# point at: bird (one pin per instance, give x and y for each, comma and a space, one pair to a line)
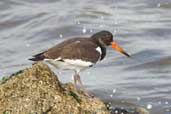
79, 53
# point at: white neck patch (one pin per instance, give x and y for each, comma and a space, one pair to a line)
99, 50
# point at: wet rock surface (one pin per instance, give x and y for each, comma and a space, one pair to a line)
138, 110
121, 111
37, 90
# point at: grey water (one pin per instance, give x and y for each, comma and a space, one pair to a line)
141, 27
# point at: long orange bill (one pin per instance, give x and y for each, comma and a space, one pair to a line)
118, 48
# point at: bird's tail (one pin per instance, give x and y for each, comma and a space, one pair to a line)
38, 57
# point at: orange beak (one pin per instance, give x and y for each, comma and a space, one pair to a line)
118, 48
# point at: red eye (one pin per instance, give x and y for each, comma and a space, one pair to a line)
108, 36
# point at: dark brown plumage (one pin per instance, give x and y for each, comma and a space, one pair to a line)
79, 53
78, 48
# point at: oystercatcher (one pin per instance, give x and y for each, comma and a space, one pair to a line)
79, 53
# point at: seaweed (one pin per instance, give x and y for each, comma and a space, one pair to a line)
4, 79
7, 112
75, 96
19, 72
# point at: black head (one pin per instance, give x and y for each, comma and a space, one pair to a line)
103, 37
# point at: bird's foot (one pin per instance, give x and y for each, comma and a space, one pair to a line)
77, 79
83, 91
88, 94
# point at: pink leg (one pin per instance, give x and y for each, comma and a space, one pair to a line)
78, 79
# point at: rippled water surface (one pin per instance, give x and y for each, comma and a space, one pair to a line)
141, 27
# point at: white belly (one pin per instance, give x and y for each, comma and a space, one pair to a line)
68, 64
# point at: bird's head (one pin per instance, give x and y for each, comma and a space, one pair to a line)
105, 38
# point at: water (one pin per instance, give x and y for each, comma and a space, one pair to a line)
141, 27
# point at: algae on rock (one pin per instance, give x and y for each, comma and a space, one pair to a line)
37, 90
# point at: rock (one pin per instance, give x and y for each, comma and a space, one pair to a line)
137, 110
119, 111
37, 90
141, 110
